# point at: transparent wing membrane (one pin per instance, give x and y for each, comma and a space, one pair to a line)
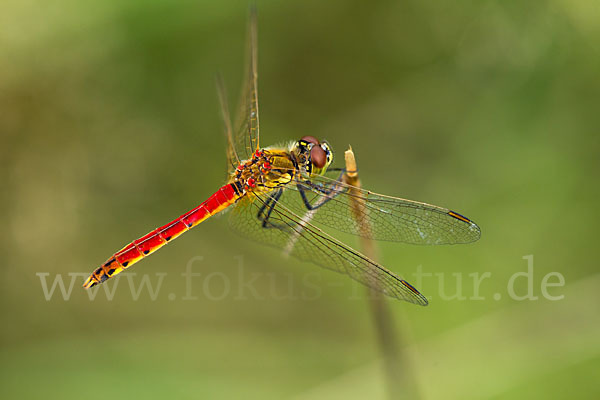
246, 140
285, 229
390, 218
233, 159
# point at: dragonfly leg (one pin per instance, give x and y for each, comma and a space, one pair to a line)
329, 192
264, 213
266, 204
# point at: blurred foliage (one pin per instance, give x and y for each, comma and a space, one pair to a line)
110, 127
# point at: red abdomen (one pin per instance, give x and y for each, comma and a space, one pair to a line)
156, 239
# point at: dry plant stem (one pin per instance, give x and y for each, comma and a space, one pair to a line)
398, 374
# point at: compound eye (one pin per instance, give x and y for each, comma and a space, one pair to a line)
310, 139
327, 150
318, 156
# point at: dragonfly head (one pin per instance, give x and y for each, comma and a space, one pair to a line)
313, 157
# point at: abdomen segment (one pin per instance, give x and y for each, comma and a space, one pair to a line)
156, 239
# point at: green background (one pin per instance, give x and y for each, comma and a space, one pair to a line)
110, 127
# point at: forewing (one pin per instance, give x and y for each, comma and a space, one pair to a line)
232, 158
296, 236
390, 218
246, 139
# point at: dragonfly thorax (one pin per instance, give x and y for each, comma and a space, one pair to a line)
266, 170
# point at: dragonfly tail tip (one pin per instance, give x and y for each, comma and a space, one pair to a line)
90, 282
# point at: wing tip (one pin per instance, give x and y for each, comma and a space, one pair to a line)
474, 229
459, 216
420, 299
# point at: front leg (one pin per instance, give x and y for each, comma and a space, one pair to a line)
303, 187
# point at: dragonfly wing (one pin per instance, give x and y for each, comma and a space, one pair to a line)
297, 236
233, 159
246, 140
390, 218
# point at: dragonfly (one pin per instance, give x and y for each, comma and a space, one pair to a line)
286, 196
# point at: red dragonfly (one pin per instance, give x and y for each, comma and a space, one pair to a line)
280, 195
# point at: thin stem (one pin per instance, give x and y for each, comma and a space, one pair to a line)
399, 378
